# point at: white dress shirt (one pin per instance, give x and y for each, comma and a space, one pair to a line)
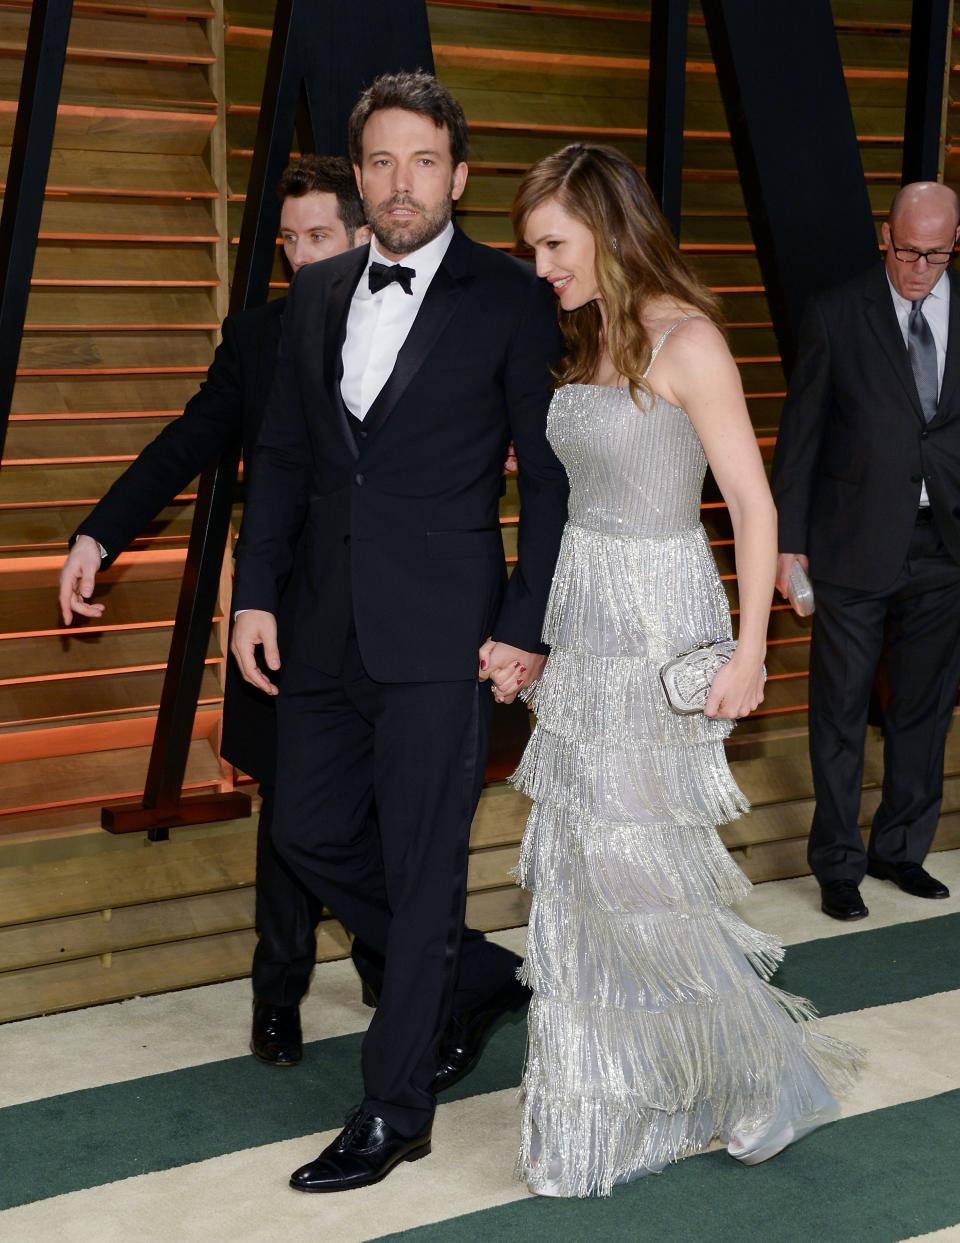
378, 323
936, 311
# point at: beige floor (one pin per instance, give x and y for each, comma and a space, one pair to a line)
243, 1197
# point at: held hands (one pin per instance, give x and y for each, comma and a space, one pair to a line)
251, 629
737, 688
785, 563
509, 669
77, 579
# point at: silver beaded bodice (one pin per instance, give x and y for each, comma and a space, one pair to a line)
634, 469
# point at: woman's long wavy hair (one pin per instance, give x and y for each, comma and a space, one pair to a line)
637, 258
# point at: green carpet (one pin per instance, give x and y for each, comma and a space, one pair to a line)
876, 1178
221, 1107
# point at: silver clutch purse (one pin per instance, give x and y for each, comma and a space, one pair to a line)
686, 678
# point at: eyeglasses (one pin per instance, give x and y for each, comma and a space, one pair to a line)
908, 255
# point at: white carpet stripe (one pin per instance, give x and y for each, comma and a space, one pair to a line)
243, 1197
791, 908
150, 1035
951, 1234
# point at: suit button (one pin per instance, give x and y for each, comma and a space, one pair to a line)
358, 480
363, 434
346, 539
924, 435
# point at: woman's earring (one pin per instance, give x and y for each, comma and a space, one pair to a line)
613, 245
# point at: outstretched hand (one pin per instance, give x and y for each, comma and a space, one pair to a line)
77, 578
509, 669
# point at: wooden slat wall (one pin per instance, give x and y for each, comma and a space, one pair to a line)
145, 200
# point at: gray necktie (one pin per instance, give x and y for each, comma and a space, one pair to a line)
923, 359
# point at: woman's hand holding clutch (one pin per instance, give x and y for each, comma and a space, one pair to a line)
737, 688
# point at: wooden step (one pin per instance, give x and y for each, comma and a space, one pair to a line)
50, 658
47, 528
199, 960
102, 131
50, 442
79, 352
203, 860
120, 37
137, 175
201, 9
39, 397
72, 699
130, 601
78, 219
53, 781
121, 310
113, 89
92, 266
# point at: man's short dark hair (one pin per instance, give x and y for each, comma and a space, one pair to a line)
325, 174
414, 92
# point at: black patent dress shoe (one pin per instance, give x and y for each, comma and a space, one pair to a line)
276, 1037
467, 1030
364, 1152
841, 900
911, 878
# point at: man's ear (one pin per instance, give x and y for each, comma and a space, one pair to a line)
358, 177
459, 181
362, 235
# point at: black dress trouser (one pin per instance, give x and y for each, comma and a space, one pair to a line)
418, 751
915, 625
287, 915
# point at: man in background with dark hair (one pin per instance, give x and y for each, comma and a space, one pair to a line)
405, 368
321, 216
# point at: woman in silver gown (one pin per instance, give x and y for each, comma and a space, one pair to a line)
652, 1028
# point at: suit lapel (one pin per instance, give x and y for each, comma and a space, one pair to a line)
882, 318
951, 368
334, 331
440, 302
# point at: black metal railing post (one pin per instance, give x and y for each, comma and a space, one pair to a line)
33, 132
665, 102
926, 82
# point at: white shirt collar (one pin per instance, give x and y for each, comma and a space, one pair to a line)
424, 261
940, 291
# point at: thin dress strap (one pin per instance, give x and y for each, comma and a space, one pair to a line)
663, 336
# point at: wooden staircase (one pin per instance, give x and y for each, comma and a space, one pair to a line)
145, 194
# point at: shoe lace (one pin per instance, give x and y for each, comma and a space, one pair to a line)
353, 1125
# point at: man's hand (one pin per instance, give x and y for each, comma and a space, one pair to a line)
785, 564
509, 668
77, 579
510, 463
253, 628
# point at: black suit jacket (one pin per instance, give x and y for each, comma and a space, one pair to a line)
402, 534
854, 448
229, 405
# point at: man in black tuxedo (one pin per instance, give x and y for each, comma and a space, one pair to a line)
866, 478
321, 215
404, 370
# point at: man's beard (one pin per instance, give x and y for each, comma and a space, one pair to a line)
403, 239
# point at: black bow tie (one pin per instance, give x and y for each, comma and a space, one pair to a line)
381, 274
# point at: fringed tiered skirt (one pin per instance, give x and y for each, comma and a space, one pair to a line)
652, 1027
